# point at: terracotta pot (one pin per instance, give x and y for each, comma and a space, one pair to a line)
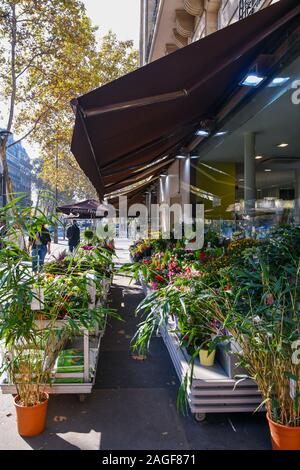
284, 437
31, 420
207, 359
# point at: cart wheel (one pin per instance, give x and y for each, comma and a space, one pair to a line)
82, 398
200, 417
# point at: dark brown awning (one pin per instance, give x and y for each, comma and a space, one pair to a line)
133, 122
82, 209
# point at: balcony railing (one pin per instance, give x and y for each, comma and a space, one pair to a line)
248, 7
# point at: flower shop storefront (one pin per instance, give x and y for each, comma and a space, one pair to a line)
229, 310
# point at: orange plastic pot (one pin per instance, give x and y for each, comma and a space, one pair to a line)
284, 437
31, 420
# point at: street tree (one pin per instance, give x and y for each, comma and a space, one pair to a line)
47, 54
114, 58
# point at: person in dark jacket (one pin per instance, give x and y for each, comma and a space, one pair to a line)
40, 245
73, 236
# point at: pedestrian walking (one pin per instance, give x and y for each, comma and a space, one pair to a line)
41, 244
73, 236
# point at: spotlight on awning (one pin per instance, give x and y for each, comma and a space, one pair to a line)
220, 134
202, 133
252, 80
278, 81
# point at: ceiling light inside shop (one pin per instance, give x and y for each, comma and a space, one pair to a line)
181, 157
277, 81
252, 80
268, 169
194, 157
258, 157
283, 145
202, 133
241, 180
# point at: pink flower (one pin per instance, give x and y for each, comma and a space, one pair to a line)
269, 299
154, 285
171, 273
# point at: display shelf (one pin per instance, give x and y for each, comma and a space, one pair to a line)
212, 390
91, 358
89, 339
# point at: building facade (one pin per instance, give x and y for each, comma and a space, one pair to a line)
20, 170
168, 25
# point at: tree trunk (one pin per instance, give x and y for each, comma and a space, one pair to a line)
7, 188
55, 234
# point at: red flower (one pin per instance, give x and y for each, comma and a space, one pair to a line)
226, 288
202, 256
159, 278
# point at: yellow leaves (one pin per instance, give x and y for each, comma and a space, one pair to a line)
138, 357
58, 59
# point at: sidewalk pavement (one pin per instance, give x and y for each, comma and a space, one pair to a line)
57, 248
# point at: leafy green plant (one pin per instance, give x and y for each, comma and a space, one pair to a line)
212, 237
88, 235
156, 308
35, 337
262, 314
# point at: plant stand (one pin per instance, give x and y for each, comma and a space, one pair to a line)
91, 356
89, 341
212, 390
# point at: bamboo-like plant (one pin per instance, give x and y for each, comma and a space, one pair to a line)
262, 314
34, 345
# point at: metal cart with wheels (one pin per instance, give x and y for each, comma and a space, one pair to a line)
80, 383
212, 390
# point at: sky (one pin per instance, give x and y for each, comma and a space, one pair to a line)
122, 16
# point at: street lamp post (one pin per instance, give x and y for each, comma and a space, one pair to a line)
3, 137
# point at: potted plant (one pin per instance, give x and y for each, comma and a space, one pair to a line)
206, 354
199, 335
261, 312
32, 345
28, 357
